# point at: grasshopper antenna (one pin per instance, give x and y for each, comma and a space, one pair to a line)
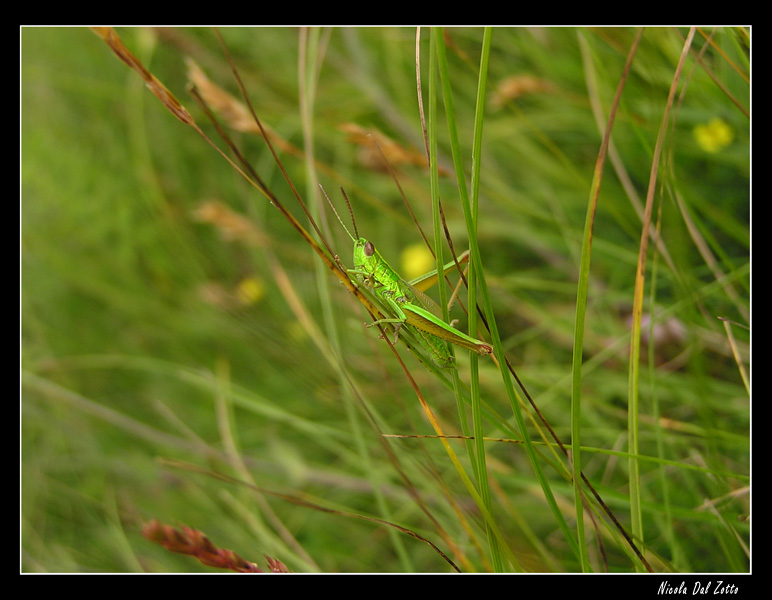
350, 211
332, 206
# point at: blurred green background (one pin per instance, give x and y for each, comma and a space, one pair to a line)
157, 321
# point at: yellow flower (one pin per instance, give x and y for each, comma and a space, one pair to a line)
250, 290
713, 135
416, 260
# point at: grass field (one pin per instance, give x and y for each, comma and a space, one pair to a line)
187, 357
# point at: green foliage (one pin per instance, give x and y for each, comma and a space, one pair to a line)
171, 316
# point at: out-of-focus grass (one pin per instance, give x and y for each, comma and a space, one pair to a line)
152, 329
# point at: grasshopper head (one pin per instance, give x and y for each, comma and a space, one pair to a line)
365, 256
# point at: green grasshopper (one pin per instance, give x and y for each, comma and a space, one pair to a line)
406, 303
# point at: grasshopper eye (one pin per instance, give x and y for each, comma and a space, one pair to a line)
369, 249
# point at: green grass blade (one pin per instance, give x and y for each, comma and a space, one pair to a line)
488, 309
581, 309
477, 458
636, 515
